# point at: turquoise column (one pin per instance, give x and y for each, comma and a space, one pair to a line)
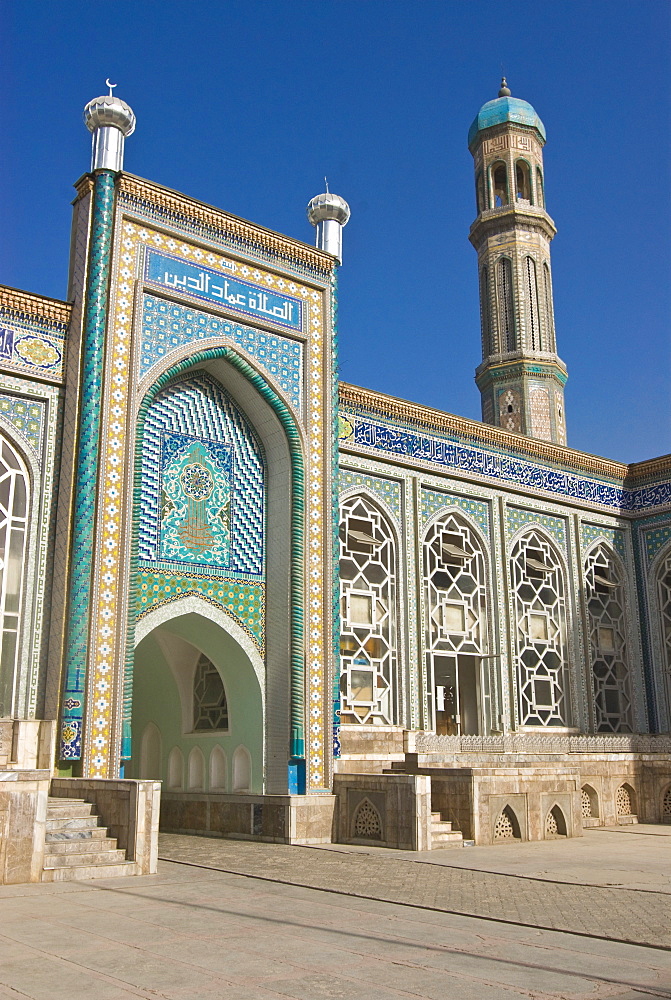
87, 453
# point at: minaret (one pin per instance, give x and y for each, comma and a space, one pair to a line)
329, 213
109, 120
521, 377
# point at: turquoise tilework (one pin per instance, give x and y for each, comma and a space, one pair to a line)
433, 501
590, 532
26, 415
655, 539
95, 319
167, 325
386, 489
555, 526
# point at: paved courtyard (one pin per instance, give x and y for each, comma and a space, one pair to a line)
586, 918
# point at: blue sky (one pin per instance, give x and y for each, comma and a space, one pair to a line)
248, 104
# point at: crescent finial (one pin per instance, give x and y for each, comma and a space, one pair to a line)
110, 85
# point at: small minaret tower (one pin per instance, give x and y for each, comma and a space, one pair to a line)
329, 214
521, 377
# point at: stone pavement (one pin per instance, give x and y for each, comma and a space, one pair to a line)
200, 933
440, 880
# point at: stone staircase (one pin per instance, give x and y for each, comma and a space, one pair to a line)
442, 834
78, 847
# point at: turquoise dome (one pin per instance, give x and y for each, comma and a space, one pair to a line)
505, 109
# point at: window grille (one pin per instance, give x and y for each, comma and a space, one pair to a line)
485, 313
210, 710
455, 585
608, 642
664, 598
368, 639
13, 529
532, 304
506, 309
547, 305
539, 596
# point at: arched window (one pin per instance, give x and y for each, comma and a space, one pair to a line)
533, 316
664, 599
500, 184
455, 583
480, 192
485, 314
539, 598
608, 641
523, 181
504, 276
368, 633
210, 710
540, 190
548, 311
13, 528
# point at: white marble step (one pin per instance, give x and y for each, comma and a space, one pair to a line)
81, 845
65, 822
85, 858
77, 873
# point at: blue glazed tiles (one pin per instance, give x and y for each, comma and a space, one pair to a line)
169, 325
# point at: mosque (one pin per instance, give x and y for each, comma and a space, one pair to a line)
241, 598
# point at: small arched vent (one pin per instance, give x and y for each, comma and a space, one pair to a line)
555, 823
506, 826
666, 806
589, 801
624, 801
367, 823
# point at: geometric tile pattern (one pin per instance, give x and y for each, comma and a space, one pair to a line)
388, 438
108, 647
590, 532
655, 539
26, 415
196, 413
555, 526
387, 490
81, 574
243, 600
168, 325
31, 349
433, 501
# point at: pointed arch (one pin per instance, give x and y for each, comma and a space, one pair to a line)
293, 437
660, 592
609, 653
456, 624
369, 639
538, 581
15, 528
507, 334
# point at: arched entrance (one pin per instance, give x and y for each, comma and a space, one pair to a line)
198, 694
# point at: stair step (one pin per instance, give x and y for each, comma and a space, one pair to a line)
80, 845
442, 826
84, 858
71, 823
66, 807
58, 800
447, 838
95, 833
76, 873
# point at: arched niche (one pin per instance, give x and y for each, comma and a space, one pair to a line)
218, 770
242, 770
170, 643
175, 780
150, 752
196, 770
282, 439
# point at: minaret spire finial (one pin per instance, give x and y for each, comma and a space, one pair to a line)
505, 90
327, 186
111, 86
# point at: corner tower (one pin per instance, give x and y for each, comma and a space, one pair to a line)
521, 377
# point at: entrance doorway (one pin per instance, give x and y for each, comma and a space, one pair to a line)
456, 691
